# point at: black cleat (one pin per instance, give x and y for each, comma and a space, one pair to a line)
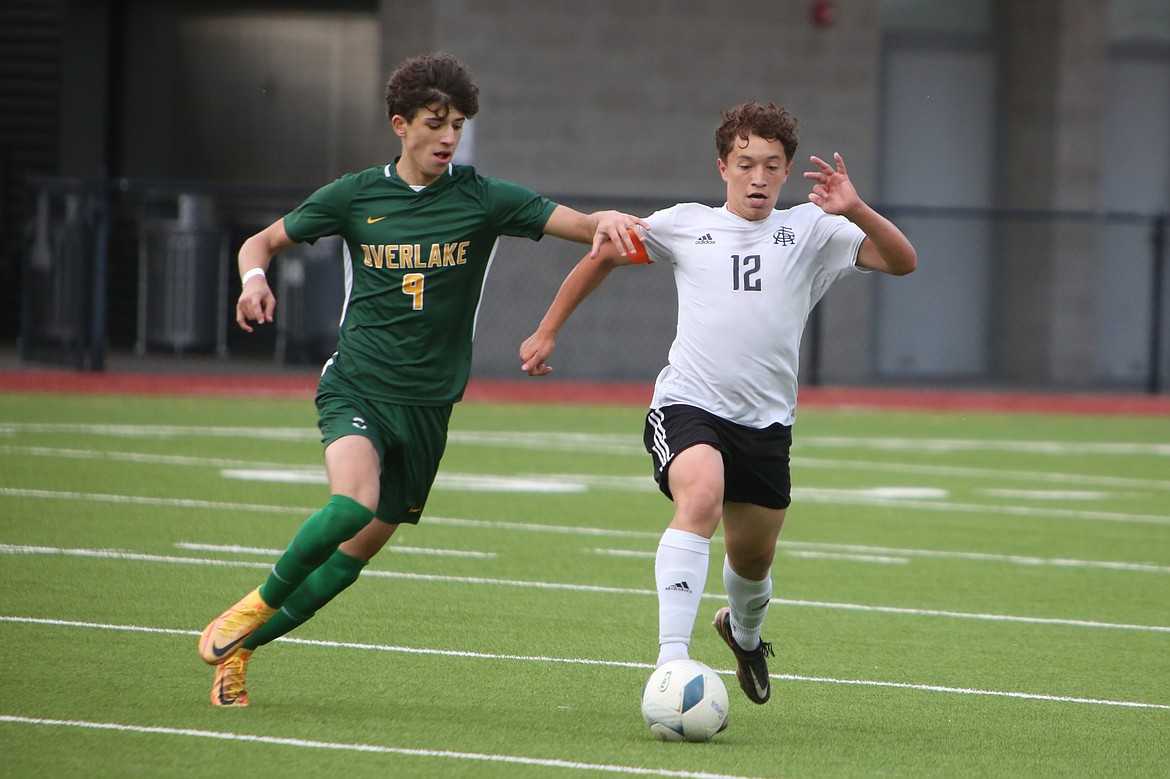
752, 667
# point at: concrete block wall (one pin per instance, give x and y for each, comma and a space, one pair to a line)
617, 99
620, 99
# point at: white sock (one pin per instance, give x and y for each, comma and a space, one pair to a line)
680, 573
748, 601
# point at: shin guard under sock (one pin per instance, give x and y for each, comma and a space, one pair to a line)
318, 537
748, 600
322, 585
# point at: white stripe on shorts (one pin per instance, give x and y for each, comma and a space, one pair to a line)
661, 448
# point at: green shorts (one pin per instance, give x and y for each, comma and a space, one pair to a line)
409, 440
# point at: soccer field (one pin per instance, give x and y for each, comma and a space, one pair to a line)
956, 595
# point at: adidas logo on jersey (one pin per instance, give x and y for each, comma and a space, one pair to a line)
705, 238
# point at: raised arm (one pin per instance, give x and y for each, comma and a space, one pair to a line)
885, 248
578, 285
597, 228
257, 303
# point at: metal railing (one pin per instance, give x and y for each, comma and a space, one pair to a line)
150, 265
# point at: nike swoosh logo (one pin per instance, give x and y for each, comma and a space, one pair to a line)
371, 219
221, 651
761, 689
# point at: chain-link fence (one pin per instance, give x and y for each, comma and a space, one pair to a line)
1002, 298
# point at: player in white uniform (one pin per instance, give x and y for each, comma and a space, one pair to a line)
719, 425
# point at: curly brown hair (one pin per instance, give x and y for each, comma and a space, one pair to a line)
430, 80
767, 121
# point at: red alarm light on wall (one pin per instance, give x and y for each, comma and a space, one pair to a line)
824, 13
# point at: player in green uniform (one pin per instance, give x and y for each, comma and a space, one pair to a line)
419, 236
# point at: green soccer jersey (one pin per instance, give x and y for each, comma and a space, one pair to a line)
415, 265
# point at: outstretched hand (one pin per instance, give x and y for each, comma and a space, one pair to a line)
833, 191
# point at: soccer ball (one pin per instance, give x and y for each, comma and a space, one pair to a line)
684, 700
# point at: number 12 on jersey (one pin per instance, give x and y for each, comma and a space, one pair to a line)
743, 273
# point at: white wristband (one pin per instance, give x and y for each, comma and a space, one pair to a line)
250, 274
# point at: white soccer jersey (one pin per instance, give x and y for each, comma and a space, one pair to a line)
745, 290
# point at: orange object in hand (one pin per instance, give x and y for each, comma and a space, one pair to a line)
639, 255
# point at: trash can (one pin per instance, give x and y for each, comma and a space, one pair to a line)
63, 280
60, 259
182, 280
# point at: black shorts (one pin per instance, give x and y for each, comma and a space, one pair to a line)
755, 461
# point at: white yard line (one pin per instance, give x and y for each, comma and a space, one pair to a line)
161, 431
584, 531
395, 548
857, 558
888, 554
1059, 448
810, 495
800, 462
943, 507
1023, 494
1025, 560
604, 443
445, 754
119, 554
605, 663
299, 472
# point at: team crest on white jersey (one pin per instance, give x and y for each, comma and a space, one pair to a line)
784, 236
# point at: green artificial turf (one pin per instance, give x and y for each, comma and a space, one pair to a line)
956, 595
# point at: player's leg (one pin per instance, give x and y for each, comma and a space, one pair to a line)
321, 586
325, 583
758, 493
749, 533
353, 465
684, 443
682, 559
689, 469
415, 439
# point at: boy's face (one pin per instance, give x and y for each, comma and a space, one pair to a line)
429, 141
754, 173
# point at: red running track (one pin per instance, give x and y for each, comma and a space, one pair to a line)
553, 391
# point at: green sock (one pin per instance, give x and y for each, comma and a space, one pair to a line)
318, 537
322, 585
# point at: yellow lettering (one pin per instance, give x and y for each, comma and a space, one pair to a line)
407, 255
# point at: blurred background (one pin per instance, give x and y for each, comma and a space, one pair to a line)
1023, 145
